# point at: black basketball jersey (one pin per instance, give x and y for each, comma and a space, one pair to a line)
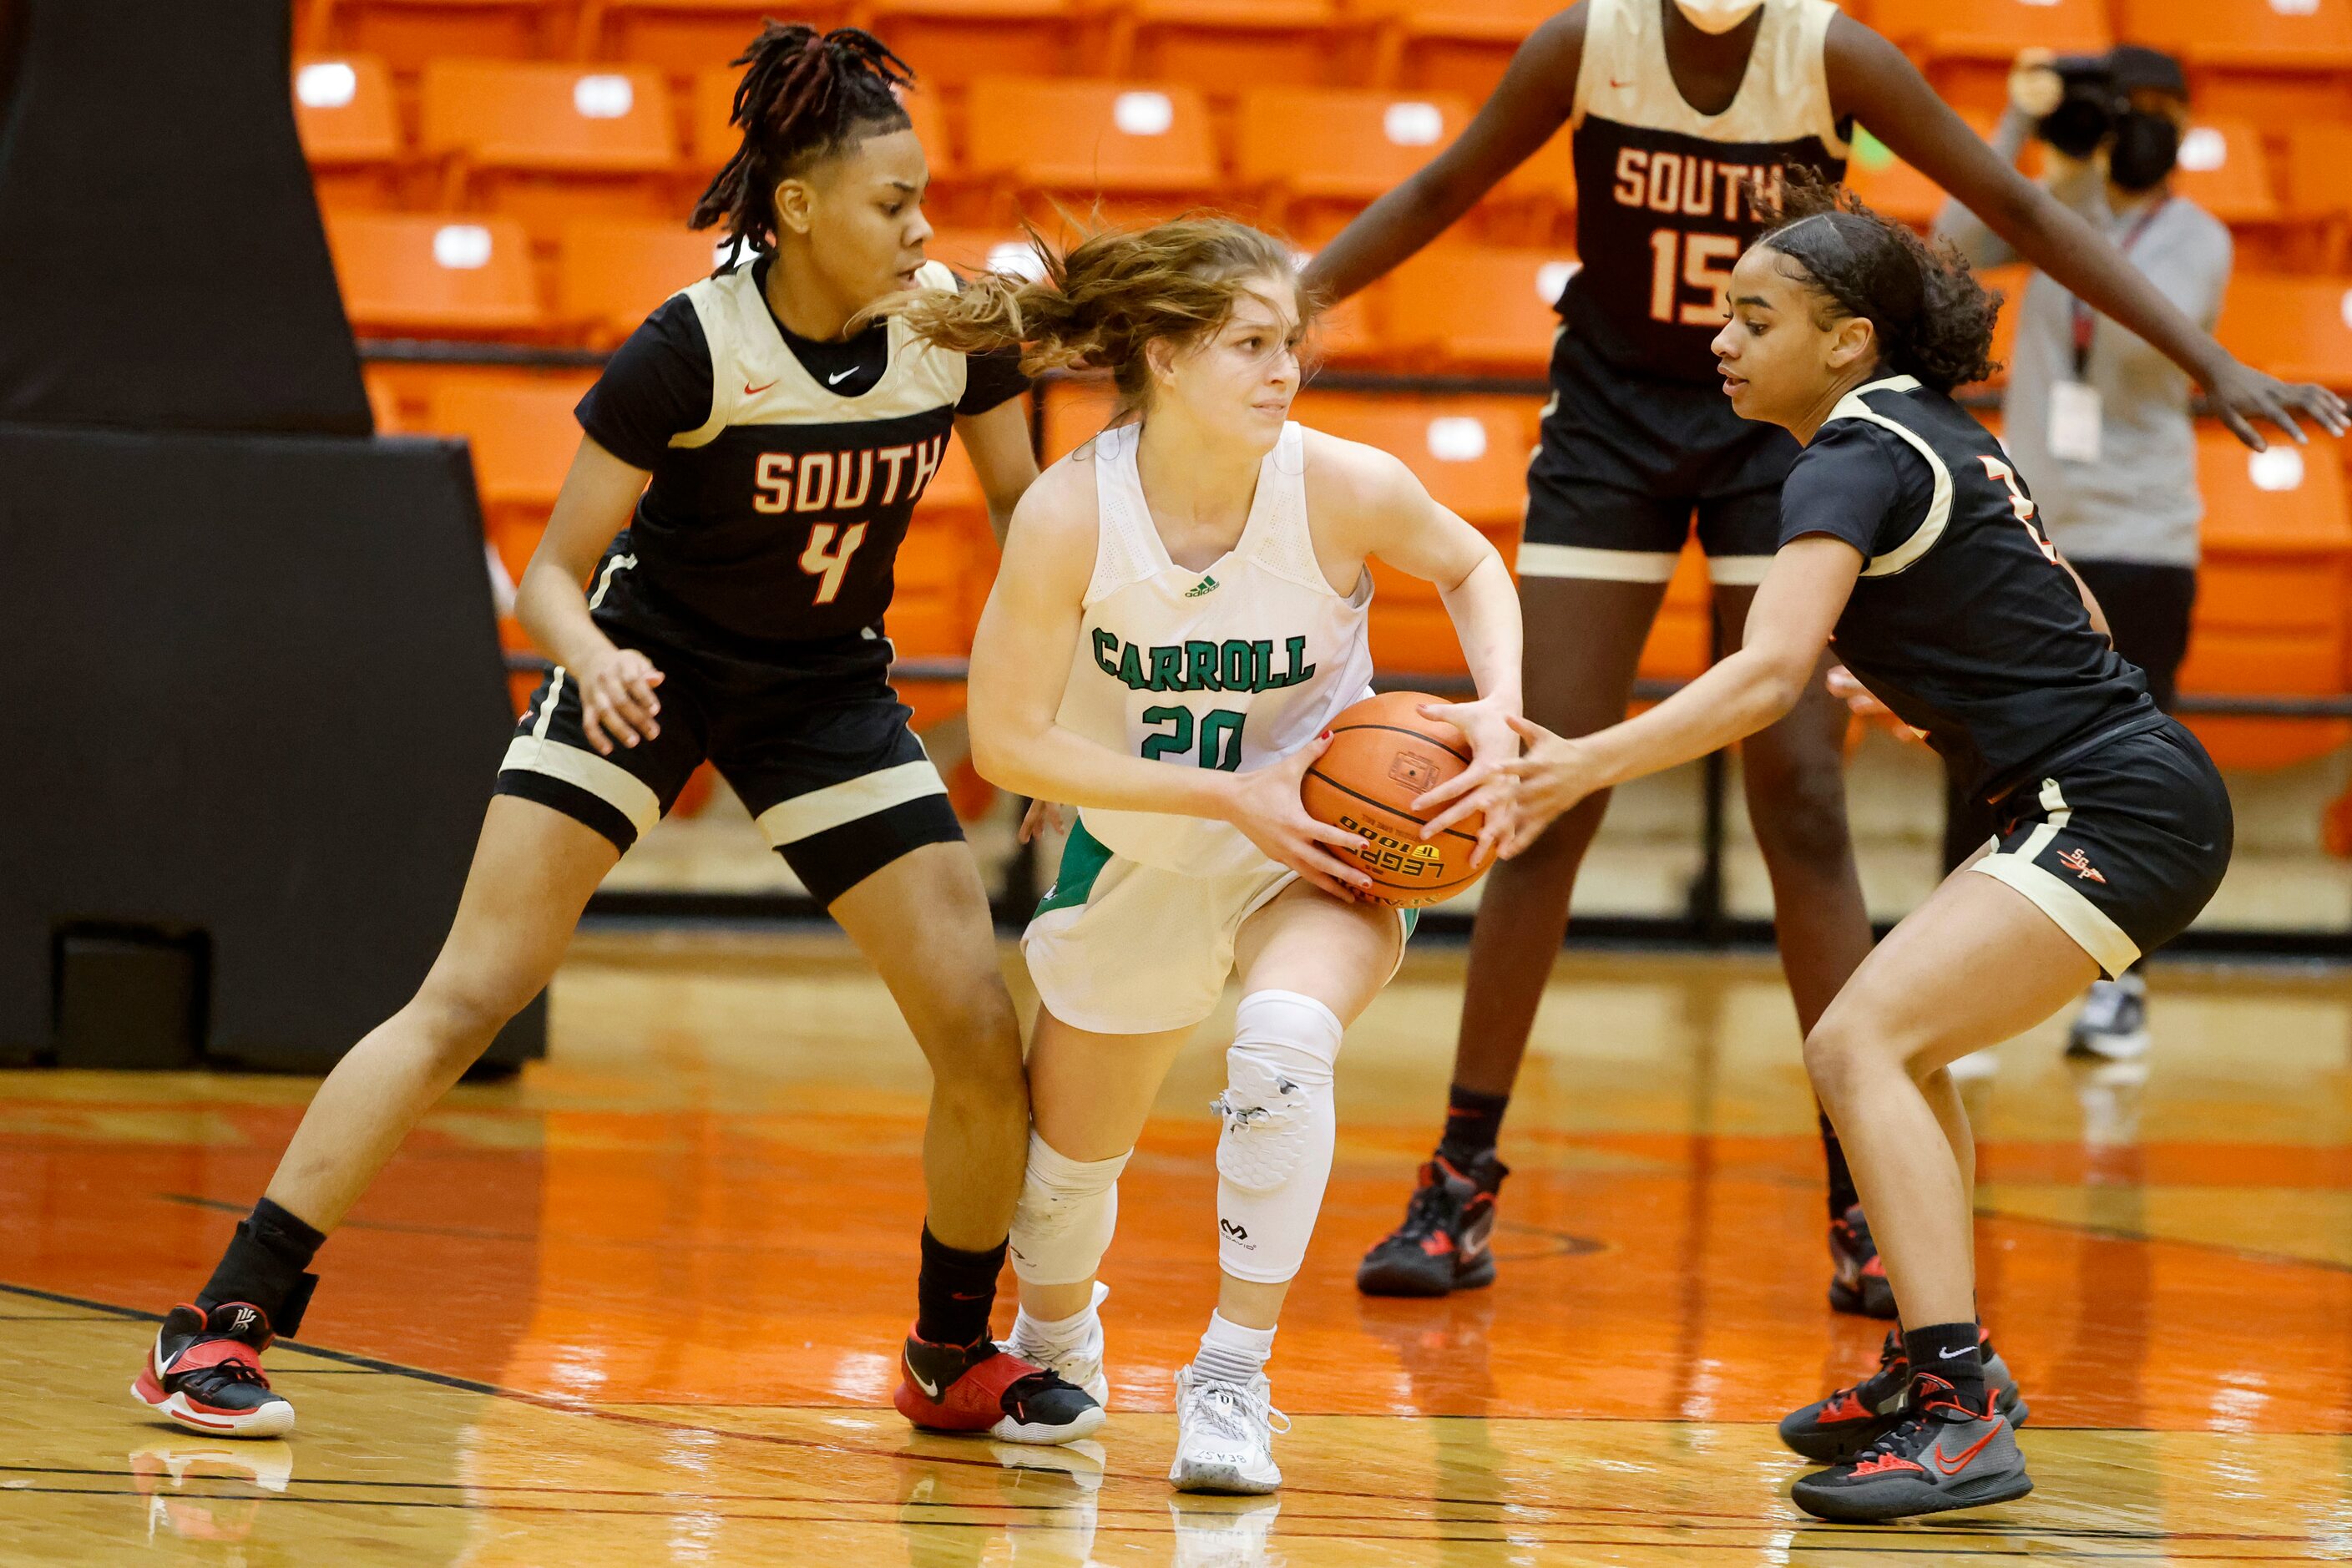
1663, 205
785, 471
1964, 621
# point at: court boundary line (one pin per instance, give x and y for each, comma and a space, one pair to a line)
1990, 1530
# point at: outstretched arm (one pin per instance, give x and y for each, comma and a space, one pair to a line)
1788, 622
1871, 79
1533, 100
1389, 515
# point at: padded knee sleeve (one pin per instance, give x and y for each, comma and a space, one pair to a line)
1067, 1212
1274, 1157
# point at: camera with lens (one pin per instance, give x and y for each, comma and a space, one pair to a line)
2095, 109
2091, 103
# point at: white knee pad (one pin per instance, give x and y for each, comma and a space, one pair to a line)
1067, 1212
1274, 1157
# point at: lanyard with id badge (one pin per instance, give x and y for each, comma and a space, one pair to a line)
2077, 417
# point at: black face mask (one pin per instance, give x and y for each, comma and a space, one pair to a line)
2145, 148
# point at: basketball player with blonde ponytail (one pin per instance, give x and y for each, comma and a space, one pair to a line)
1179, 615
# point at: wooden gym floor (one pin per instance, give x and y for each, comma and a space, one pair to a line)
641, 1306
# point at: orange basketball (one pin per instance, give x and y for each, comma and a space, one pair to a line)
1383, 755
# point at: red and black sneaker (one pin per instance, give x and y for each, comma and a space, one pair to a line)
1949, 1453
1858, 1283
1445, 1242
1835, 1429
981, 1390
204, 1373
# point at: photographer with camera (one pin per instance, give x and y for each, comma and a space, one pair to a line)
2095, 420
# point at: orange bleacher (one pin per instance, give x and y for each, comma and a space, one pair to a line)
548, 142
434, 275
520, 169
2273, 594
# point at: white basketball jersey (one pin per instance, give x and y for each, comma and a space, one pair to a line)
1230, 668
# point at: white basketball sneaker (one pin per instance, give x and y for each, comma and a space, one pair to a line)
1224, 1436
1079, 1362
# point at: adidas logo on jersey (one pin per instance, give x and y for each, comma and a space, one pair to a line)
1206, 585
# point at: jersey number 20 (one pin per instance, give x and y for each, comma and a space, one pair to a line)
2019, 502
827, 564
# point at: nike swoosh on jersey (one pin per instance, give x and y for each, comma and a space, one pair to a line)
751, 390
845, 376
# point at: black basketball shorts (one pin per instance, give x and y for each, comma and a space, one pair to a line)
2121, 846
817, 747
1625, 461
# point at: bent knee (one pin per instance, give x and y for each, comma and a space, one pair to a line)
460, 1019
974, 1049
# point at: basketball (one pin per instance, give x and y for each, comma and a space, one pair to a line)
1382, 757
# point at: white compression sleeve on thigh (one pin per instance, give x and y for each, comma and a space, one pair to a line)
1068, 1209
1274, 1158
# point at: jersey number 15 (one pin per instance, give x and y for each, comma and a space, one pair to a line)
1702, 261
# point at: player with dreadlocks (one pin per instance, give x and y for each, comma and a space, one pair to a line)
750, 460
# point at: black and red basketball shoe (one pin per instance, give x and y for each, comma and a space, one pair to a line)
982, 1390
1445, 1243
1858, 1283
1950, 1452
204, 1371
1835, 1429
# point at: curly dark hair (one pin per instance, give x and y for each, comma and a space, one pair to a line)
806, 95
1932, 318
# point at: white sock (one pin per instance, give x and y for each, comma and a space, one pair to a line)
1232, 1353
1061, 1333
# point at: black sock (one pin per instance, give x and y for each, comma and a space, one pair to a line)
1948, 1351
955, 1292
1842, 1193
1473, 1120
265, 1265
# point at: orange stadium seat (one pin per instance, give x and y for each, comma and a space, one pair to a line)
611, 274
2318, 190
1455, 46
2222, 170
1475, 307
685, 35
434, 274
950, 42
982, 250
1550, 171
2281, 35
350, 126
1307, 144
2296, 328
1472, 453
523, 436
943, 570
550, 141
1075, 413
1105, 137
2272, 595
1214, 43
1990, 30
408, 33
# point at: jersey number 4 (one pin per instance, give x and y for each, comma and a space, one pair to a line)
2019, 502
826, 562
1695, 257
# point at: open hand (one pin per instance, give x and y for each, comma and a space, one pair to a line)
1486, 786
1555, 774
1045, 816
1265, 806
2241, 394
